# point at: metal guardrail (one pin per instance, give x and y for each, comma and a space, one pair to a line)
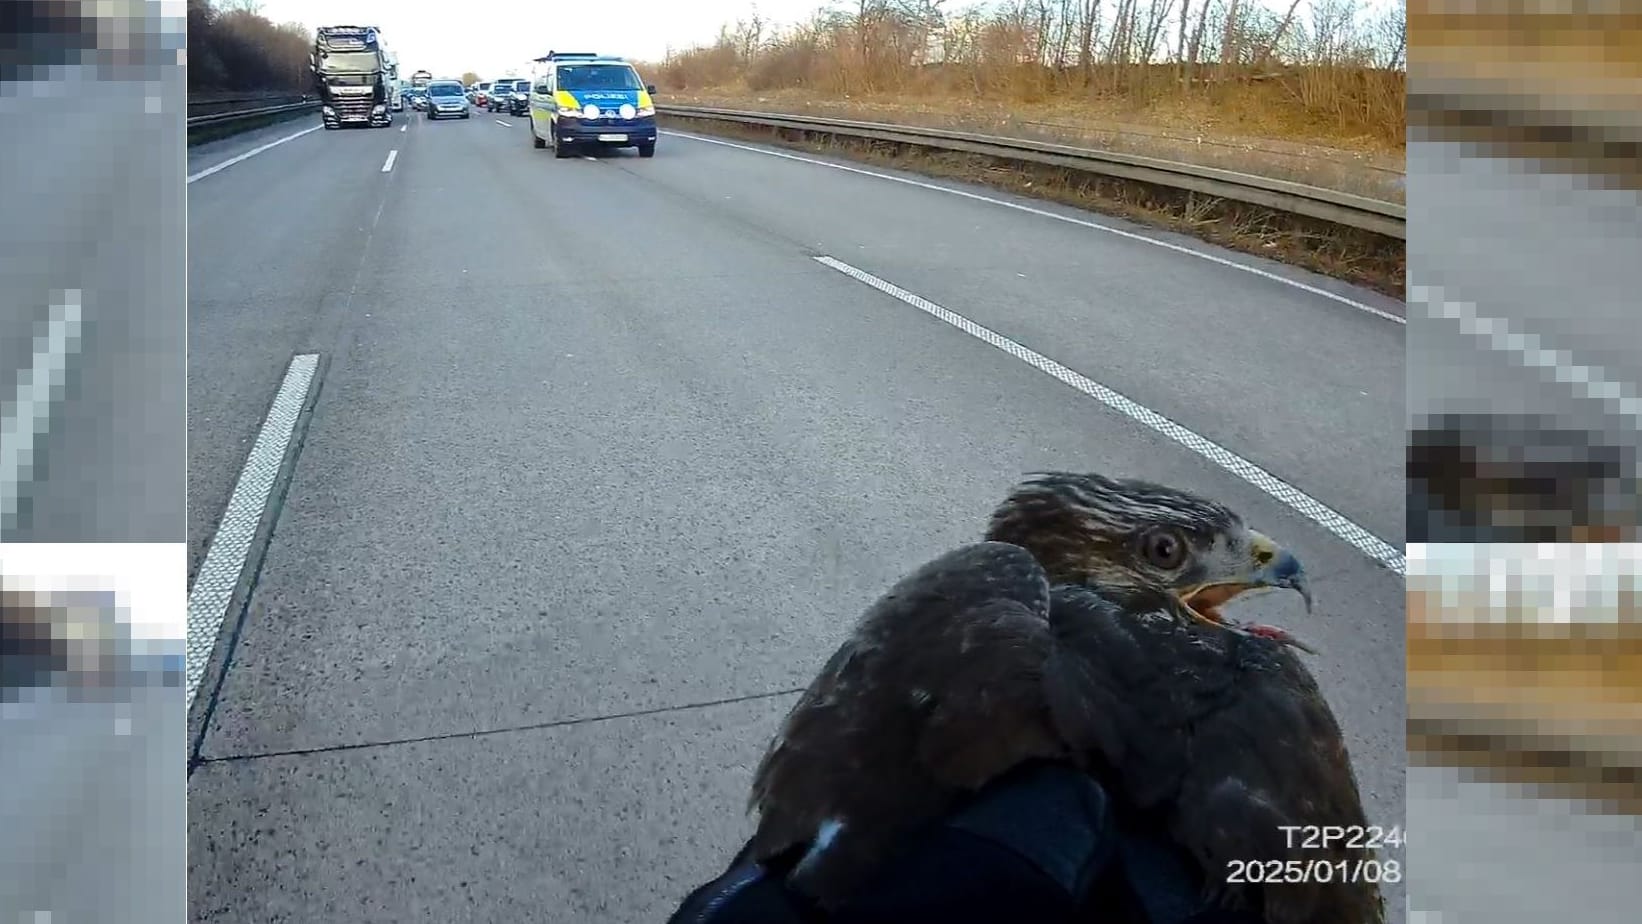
1362, 212
268, 99
242, 115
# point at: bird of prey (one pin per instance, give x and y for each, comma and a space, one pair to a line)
1085, 628
1519, 478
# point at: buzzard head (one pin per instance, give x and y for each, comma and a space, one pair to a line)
1128, 535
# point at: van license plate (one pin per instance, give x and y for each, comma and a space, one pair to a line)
612, 137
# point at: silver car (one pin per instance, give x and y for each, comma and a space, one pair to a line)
446, 100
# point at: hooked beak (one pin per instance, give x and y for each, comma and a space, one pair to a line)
1281, 569
1269, 566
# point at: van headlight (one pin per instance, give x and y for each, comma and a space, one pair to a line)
569, 112
627, 112
327, 110
647, 112
378, 109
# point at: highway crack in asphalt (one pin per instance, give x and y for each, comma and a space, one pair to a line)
517, 729
503, 730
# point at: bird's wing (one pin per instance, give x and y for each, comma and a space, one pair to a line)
936, 690
1272, 755
988, 713
1228, 736
1112, 698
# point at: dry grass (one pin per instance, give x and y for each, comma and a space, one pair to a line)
1557, 708
1249, 86
1573, 46
1256, 86
1361, 257
1230, 128
1567, 87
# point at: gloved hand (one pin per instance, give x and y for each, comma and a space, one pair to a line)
1039, 846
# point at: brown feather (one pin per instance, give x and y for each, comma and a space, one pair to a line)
935, 693
973, 664
1226, 737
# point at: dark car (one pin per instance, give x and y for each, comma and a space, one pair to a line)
496, 100
516, 98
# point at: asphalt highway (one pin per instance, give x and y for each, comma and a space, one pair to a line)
91, 244
1551, 331
1478, 323
604, 461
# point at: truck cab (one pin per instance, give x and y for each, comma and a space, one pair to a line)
351, 72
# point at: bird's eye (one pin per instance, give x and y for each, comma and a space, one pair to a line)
1164, 549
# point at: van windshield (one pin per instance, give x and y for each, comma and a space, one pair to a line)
598, 77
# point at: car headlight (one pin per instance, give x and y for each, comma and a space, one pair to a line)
628, 112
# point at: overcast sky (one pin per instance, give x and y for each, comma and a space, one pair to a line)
496, 36
503, 35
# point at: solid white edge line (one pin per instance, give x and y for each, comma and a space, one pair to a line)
27, 416
1045, 213
1336, 523
251, 153
225, 559
392, 156
1589, 382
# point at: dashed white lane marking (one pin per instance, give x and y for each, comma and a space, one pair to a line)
1045, 213
251, 153
225, 560
1354, 535
26, 416
404, 127
503, 124
393, 155
1589, 382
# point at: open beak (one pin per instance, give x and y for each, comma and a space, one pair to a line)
1269, 566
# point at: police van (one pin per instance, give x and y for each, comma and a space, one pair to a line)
584, 100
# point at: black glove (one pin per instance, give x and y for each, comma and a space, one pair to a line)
1039, 846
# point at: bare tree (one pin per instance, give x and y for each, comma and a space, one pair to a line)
1228, 39
1392, 37
1156, 15
1088, 32
1117, 43
1266, 50
749, 36
1180, 45
1195, 49
924, 19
